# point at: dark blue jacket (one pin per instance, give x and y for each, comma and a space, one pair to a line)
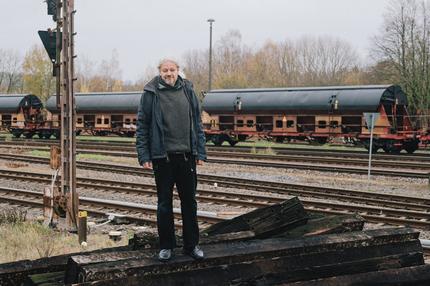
149, 132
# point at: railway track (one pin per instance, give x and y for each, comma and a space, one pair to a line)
419, 156
138, 213
379, 208
127, 146
381, 167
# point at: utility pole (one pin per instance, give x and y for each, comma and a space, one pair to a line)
210, 53
60, 48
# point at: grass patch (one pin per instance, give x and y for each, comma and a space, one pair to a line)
5, 134
106, 138
31, 240
95, 157
12, 216
40, 153
270, 144
266, 151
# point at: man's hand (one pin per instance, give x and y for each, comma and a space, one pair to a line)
199, 162
147, 165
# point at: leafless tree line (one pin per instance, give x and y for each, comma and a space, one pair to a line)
403, 46
306, 62
10, 71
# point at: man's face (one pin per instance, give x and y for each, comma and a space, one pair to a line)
169, 73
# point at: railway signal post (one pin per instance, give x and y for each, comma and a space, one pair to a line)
371, 118
60, 47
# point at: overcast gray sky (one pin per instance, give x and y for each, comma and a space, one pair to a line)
143, 31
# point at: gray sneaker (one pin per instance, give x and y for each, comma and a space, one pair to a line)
165, 255
196, 253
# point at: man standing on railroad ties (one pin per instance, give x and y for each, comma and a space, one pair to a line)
170, 140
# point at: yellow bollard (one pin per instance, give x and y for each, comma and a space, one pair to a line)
82, 227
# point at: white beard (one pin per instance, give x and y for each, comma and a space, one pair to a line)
170, 81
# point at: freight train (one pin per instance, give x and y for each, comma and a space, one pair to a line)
96, 114
101, 113
314, 114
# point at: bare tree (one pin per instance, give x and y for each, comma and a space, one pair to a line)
196, 68
84, 73
10, 71
308, 61
2, 73
324, 60
229, 64
403, 44
111, 73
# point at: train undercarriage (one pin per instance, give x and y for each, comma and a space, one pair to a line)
388, 145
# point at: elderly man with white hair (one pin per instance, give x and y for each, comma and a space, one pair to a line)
170, 140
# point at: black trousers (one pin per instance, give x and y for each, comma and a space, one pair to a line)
179, 169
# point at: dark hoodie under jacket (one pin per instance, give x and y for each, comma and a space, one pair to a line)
149, 132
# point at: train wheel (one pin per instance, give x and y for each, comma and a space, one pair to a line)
374, 148
411, 147
16, 133
395, 150
217, 140
242, 137
57, 134
29, 135
390, 148
321, 140
279, 139
46, 135
410, 150
232, 142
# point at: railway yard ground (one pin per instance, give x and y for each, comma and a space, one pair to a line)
218, 198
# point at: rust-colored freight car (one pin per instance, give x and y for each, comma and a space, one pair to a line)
315, 114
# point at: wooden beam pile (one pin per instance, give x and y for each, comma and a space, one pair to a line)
264, 262
279, 244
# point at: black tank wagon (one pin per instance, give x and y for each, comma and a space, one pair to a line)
314, 114
102, 113
22, 114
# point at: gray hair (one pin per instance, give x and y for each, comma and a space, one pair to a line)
164, 61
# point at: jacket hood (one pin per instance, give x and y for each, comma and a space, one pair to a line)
151, 85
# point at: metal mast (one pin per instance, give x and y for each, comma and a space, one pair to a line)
210, 54
68, 116
60, 48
